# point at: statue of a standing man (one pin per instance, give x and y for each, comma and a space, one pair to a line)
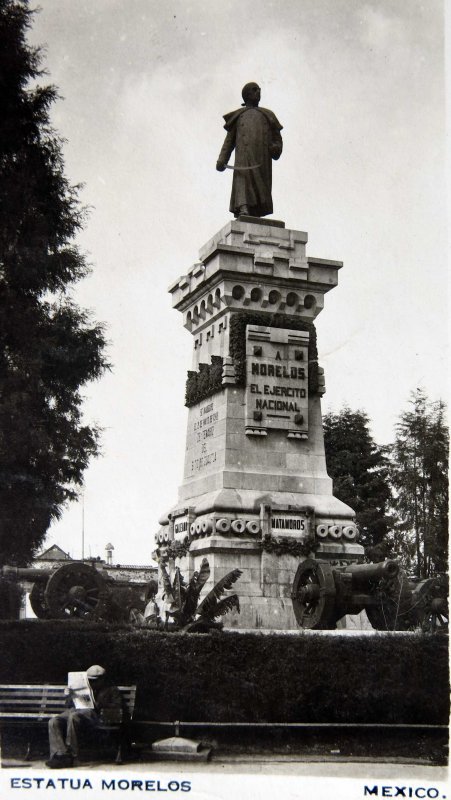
254, 134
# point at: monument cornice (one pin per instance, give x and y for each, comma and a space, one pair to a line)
327, 262
224, 275
247, 258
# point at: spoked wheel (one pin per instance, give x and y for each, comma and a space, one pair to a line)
390, 606
37, 601
437, 619
313, 595
74, 590
431, 596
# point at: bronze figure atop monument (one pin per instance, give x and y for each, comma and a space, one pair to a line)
254, 134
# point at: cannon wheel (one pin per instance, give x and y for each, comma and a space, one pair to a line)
313, 595
436, 620
431, 602
393, 607
37, 601
74, 590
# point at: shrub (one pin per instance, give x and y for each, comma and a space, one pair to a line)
229, 676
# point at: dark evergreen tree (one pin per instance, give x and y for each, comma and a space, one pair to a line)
419, 474
49, 348
359, 469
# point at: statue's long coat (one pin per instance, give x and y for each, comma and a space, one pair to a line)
254, 134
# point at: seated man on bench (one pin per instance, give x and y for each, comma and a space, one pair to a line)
92, 700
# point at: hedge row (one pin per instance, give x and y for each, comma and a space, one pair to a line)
228, 676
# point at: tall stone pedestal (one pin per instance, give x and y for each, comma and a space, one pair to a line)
255, 493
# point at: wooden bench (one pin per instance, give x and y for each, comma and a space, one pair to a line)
32, 705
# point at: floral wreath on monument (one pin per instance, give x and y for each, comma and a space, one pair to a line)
287, 546
280, 546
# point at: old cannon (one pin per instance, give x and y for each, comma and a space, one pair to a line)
78, 590
322, 594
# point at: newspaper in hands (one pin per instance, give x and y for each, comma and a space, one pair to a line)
80, 690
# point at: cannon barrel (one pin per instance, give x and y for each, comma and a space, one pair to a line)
365, 574
26, 573
322, 594
77, 589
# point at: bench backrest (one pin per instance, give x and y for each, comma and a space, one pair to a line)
45, 699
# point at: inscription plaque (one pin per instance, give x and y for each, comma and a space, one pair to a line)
202, 440
277, 381
181, 528
283, 525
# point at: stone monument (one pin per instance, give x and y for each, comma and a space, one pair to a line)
255, 493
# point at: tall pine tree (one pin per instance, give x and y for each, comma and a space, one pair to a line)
419, 474
359, 471
49, 348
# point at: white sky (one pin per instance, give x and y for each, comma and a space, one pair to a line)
359, 89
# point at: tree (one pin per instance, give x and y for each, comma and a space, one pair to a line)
359, 469
49, 348
419, 470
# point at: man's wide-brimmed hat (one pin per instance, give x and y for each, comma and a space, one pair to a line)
96, 671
